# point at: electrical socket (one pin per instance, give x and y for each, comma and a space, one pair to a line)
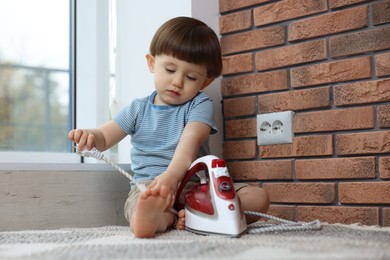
275, 128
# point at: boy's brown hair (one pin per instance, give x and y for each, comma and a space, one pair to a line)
190, 40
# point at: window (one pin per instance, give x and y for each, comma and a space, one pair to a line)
69, 63
35, 73
38, 76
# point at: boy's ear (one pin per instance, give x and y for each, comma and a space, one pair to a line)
150, 60
207, 82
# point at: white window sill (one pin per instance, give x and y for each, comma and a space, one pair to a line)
60, 167
38, 157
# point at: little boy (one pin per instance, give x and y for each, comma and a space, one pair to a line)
170, 128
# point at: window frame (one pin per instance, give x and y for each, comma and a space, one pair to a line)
89, 68
53, 157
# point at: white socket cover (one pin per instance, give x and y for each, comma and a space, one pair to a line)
275, 128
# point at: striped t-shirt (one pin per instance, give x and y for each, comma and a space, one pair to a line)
155, 131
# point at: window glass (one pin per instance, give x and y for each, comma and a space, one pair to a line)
35, 75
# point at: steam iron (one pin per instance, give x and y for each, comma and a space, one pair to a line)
212, 206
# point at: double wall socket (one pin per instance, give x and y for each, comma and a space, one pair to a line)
275, 128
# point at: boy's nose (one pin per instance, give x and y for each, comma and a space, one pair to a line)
178, 81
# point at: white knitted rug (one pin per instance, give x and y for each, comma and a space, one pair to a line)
117, 242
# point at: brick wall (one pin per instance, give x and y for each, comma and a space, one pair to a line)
329, 61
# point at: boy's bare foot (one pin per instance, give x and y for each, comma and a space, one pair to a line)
150, 215
181, 221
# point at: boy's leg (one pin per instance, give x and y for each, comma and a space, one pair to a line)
154, 200
150, 215
253, 198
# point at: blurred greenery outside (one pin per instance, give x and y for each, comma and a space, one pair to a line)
34, 108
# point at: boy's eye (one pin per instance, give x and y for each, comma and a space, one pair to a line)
169, 70
191, 78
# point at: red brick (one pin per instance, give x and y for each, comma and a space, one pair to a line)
254, 83
384, 167
295, 100
244, 149
365, 92
363, 143
229, 5
237, 63
364, 192
235, 21
240, 128
382, 64
291, 55
282, 211
286, 10
360, 42
336, 168
381, 12
341, 3
330, 23
335, 120
257, 39
239, 106
328, 72
315, 145
339, 214
314, 192
386, 217
261, 170
383, 114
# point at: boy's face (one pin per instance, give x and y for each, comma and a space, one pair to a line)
176, 81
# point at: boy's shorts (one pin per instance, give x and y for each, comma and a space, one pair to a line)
134, 194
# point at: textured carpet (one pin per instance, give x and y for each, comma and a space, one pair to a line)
116, 242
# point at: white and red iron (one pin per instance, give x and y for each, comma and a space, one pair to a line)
212, 206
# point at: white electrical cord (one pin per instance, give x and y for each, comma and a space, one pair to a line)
284, 225
95, 153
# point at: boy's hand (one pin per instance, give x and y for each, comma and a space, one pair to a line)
82, 137
165, 179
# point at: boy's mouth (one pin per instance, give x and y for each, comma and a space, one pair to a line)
174, 93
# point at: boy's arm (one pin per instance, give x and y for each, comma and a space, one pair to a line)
103, 137
193, 136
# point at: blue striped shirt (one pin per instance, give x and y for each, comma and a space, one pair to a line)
155, 131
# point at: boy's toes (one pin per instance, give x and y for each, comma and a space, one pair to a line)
181, 213
180, 224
